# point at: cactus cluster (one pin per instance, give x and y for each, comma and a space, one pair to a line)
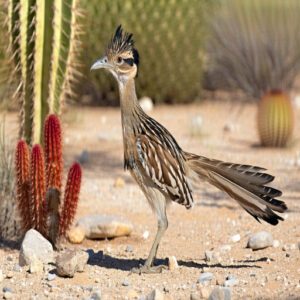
169, 36
39, 184
275, 119
44, 46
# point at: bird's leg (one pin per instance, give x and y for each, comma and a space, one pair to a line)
148, 266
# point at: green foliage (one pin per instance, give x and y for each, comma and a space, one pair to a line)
254, 45
275, 119
43, 46
169, 36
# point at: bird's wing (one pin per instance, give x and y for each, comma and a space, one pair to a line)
165, 169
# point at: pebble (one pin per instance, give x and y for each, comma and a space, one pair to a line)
235, 238
119, 183
51, 276
36, 266
96, 295
70, 262
7, 289
288, 247
260, 240
172, 263
146, 104
220, 293
146, 234
17, 268
156, 295
7, 295
211, 256
276, 243
103, 226
205, 277
35, 247
76, 235
225, 248
125, 282
9, 274
230, 281
84, 157
129, 249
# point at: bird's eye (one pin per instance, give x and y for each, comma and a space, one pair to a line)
119, 60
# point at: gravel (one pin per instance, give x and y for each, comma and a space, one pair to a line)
260, 240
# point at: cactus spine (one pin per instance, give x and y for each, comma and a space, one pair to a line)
275, 119
41, 208
42, 38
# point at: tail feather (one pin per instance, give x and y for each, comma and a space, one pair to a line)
244, 183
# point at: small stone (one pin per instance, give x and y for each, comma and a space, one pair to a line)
172, 263
146, 234
9, 274
119, 183
235, 238
70, 262
288, 247
129, 249
102, 226
96, 295
156, 295
35, 247
7, 295
36, 266
220, 293
125, 282
230, 281
205, 278
51, 276
76, 235
17, 268
146, 104
260, 240
195, 296
7, 289
225, 248
84, 157
276, 243
211, 256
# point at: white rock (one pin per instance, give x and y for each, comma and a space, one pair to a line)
260, 240
225, 248
146, 104
235, 238
35, 247
220, 293
146, 234
205, 277
36, 266
172, 263
156, 295
212, 256
230, 281
276, 243
102, 226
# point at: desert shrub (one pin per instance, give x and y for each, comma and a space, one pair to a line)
169, 36
254, 45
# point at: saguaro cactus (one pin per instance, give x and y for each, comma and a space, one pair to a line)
44, 45
275, 119
39, 186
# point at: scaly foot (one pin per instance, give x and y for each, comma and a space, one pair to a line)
144, 269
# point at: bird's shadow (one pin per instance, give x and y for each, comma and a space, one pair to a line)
127, 264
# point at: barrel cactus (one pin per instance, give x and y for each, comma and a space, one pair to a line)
169, 36
43, 45
275, 119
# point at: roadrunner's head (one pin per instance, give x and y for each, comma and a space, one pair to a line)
120, 58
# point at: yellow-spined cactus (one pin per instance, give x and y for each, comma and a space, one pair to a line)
275, 119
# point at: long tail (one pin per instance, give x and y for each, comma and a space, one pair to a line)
245, 183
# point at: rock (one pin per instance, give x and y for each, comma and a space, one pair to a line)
230, 281
196, 125
70, 262
1, 276
220, 293
7, 295
96, 295
235, 238
125, 282
276, 243
84, 157
225, 248
287, 247
260, 240
146, 104
205, 278
101, 226
9, 274
76, 235
129, 249
119, 183
146, 234
172, 263
35, 247
156, 295
195, 296
36, 266
51, 276
17, 268
212, 256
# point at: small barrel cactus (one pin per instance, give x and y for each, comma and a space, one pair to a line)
275, 119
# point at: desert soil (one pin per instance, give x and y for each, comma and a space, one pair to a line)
271, 273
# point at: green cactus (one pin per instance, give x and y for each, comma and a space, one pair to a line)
42, 39
169, 36
275, 119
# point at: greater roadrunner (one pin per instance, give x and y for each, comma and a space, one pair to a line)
162, 169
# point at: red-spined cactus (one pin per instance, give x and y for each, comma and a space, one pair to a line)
38, 188
70, 198
23, 187
53, 152
43, 210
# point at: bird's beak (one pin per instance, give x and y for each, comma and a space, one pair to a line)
101, 63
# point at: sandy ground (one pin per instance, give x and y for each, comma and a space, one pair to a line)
265, 274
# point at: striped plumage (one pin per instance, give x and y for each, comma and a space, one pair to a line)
163, 170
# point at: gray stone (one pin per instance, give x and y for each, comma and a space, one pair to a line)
7, 289
70, 262
51, 276
230, 281
35, 247
84, 157
260, 240
102, 226
125, 282
96, 295
212, 256
235, 238
220, 293
205, 277
17, 268
155, 295
129, 248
